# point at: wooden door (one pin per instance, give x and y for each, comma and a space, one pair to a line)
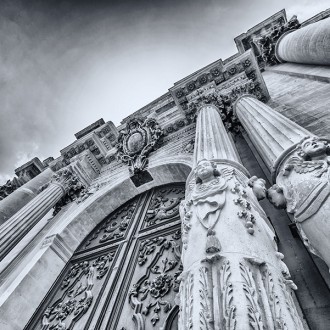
125, 274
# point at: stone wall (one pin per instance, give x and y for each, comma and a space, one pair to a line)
301, 93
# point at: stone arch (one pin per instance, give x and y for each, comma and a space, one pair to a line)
62, 241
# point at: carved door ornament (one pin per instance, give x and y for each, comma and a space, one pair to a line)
137, 141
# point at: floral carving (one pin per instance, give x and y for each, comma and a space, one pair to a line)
251, 293
137, 141
76, 293
164, 205
223, 105
152, 292
113, 227
205, 313
229, 310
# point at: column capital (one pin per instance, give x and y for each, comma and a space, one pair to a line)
65, 178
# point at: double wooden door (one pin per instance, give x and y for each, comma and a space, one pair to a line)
125, 274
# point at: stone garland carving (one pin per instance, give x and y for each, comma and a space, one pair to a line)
246, 213
303, 187
266, 43
76, 293
112, 228
137, 141
164, 205
150, 295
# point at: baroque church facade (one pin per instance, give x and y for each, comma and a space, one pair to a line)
206, 209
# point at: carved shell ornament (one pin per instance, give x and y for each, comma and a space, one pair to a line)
137, 141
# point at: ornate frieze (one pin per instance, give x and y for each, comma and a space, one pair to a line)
303, 188
152, 296
137, 141
76, 293
164, 205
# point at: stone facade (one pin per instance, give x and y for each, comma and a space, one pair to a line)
168, 220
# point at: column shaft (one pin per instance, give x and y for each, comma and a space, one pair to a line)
232, 273
20, 197
270, 132
308, 45
19, 224
212, 141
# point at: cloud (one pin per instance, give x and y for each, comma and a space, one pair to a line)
65, 64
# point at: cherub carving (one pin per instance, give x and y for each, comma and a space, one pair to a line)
303, 187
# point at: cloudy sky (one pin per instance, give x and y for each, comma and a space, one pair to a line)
65, 64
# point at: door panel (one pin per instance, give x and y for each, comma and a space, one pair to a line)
145, 232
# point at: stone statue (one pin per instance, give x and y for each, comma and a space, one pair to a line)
303, 187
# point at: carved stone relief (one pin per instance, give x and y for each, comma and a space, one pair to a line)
113, 228
164, 205
76, 294
152, 296
303, 188
137, 141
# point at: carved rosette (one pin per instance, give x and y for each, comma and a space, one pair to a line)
136, 142
242, 282
303, 188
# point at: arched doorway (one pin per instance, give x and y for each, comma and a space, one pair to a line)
125, 274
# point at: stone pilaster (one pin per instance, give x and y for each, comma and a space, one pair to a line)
20, 223
308, 45
233, 276
270, 132
299, 164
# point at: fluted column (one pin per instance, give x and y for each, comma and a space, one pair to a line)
308, 45
233, 276
300, 170
13, 230
210, 142
270, 132
24, 194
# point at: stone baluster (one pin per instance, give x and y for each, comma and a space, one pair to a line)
298, 161
13, 230
233, 276
308, 45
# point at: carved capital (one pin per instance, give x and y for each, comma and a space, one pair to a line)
267, 42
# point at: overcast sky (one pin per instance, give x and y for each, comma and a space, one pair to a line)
65, 64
